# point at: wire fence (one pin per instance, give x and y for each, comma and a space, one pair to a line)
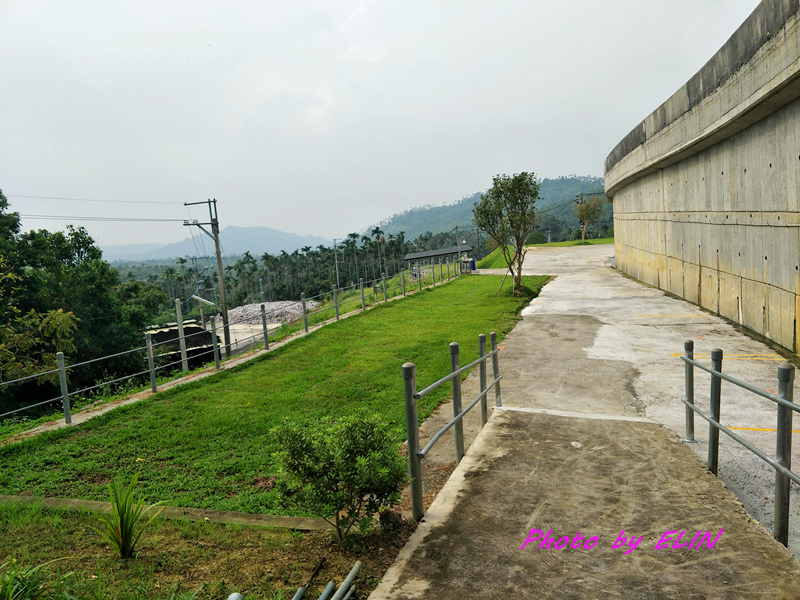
162, 356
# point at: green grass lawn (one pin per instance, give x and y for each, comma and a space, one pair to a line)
175, 559
208, 444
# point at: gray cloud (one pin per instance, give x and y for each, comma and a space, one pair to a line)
322, 117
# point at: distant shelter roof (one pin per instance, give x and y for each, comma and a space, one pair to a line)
434, 253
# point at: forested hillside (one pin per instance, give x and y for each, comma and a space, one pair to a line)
555, 206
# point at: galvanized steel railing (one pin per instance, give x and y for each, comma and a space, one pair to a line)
415, 455
784, 399
148, 350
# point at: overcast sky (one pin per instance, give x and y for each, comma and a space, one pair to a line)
323, 117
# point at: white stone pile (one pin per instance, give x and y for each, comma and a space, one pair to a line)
277, 312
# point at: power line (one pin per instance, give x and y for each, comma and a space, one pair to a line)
92, 199
62, 217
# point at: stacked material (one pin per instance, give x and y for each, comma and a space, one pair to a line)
277, 312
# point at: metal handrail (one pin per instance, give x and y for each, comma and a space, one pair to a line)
743, 385
424, 452
784, 399
790, 474
374, 297
421, 394
412, 421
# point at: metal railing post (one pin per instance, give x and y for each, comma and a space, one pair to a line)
459, 426
383, 282
264, 326
403, 281
62, 379
495, 370
482, 377
215, 341
181, 338
336, 302
688, 346
783, 453
151, 361
716, 393
412, 427
305, 312
361, 287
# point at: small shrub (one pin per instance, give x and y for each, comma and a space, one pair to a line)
122, 527
344, 473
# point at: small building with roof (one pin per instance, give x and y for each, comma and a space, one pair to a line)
455, 255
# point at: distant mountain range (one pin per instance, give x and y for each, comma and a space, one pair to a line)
555, 196
234, 240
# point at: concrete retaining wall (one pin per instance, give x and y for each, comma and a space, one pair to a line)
706, 190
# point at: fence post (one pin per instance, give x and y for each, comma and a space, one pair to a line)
412, 427
336, 302
419, 275
482, 377
448, 268
459, 426
383, 282
181, 338
62, 379
688, 346
441, 277
361, 287
716, 392
433, 273
215, 340
783, 453
305, 312
403, 281
496, 370
151, 361
264, 326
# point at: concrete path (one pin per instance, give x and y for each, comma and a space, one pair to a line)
588, 443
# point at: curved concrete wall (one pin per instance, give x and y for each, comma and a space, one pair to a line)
706, 190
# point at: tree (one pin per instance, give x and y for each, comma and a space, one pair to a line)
588, 212
507, 213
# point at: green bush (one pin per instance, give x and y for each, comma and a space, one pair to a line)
345, 473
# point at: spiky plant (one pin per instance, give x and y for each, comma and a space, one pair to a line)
123, 526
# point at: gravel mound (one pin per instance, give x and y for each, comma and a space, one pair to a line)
277, 312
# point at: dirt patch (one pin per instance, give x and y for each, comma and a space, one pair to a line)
264, 483
98, 478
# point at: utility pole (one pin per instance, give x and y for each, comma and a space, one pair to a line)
214, 235
196, 286
336, 259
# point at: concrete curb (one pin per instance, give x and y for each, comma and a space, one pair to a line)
182, 513
438, 513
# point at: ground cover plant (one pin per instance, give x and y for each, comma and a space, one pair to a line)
208, 444
175, 560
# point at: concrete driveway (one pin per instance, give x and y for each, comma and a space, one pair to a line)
588, 442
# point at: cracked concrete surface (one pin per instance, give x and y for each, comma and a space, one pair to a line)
589, 441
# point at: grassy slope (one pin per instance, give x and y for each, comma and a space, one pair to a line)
208, 444
493, 260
